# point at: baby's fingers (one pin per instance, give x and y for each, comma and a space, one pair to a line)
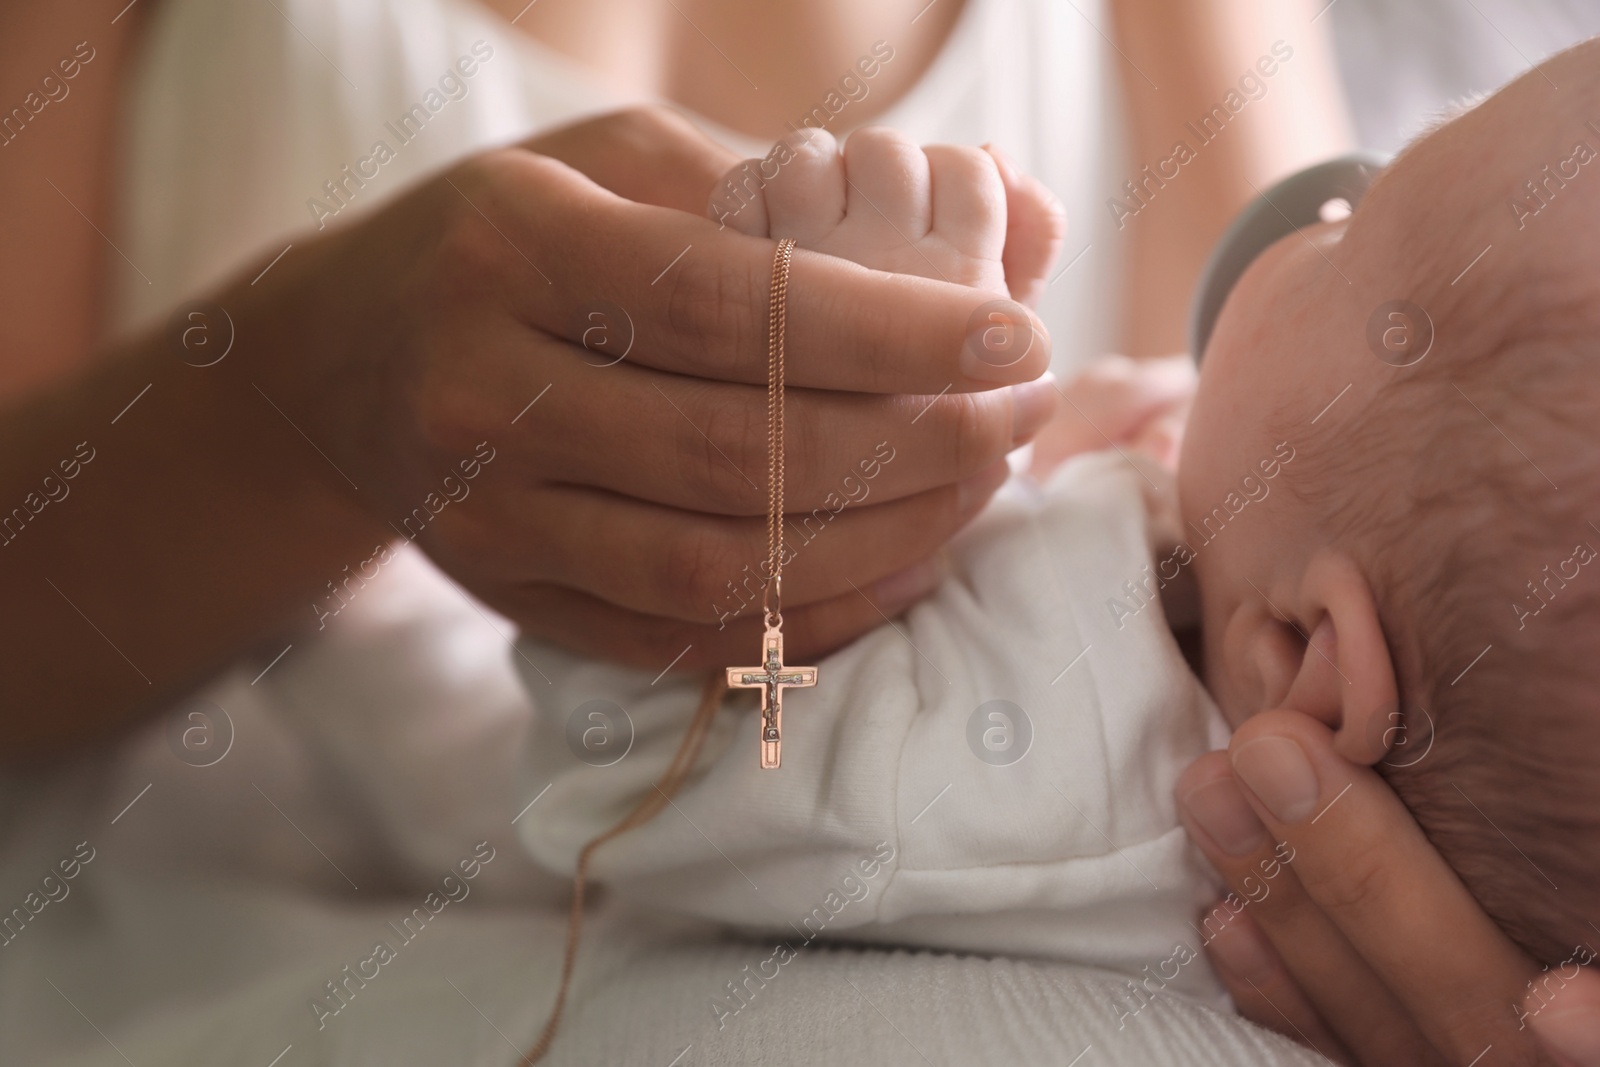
1036, 228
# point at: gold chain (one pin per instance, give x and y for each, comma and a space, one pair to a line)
717, 685
778, 300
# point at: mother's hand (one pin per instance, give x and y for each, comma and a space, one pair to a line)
559, 307
554, 389
1364, 944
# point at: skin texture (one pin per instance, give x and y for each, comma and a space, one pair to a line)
620, 551
1175, 59
211, 490
960, 214
941, 211
1385, 958
259, 513
218, 491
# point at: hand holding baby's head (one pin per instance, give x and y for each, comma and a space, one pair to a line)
1386, 470
1428, 558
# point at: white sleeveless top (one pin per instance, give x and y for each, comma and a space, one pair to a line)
243, 112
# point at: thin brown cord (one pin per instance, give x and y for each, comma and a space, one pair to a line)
648, 808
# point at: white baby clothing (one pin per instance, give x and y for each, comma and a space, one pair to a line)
991, 773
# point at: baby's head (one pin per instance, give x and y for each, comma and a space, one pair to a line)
1373, 537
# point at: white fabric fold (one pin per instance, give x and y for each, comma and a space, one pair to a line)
1006, 751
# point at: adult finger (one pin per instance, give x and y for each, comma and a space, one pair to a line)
694, 299
649, 154
668, 562
1563, 1010
594, 627
701, 445
1339, 989
1363, 859
1261, 986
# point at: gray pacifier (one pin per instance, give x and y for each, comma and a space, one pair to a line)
1293, 203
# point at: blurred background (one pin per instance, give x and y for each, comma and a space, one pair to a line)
1404, 60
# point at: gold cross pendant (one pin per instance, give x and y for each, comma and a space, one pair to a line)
772, 678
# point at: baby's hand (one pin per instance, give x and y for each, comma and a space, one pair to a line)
958, 214
1133, 404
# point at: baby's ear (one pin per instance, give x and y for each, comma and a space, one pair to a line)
1345, 677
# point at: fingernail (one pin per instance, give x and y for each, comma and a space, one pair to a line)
906, 587
1573, 1033
1032, 404
1223, 813
972, 493
1277, 771
1000, 336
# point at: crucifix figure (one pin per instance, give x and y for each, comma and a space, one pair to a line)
772, 678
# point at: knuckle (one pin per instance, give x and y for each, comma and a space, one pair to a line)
465, 259
694, 301
471, 256
467, 270
484, 230
648, 124
1052, 218
444, 409
976, 429
1349, 887
884, 139
974, 157
480, 179
810, 455
970, 161
811, 141
708, 304
877, 343
723, 473
984, 175
700, 561
486, 169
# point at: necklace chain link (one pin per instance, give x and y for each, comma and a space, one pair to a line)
776, 317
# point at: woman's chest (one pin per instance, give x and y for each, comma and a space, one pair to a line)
751, 67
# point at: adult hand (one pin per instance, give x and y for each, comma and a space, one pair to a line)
1364, 945
610, 354
558, 391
